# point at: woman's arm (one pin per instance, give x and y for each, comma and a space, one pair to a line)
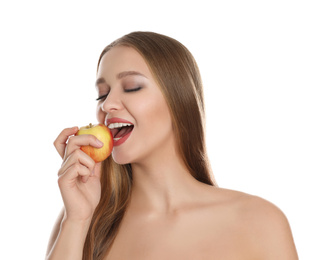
67, 239
55, 232
80, 187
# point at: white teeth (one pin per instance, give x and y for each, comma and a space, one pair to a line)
117, 125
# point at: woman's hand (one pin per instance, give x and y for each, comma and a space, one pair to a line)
79, 175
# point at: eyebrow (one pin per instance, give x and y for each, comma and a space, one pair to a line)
100, 81
129, 73
120, 76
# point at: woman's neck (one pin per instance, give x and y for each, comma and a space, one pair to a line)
162, 186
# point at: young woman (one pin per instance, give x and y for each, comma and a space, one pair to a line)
155, 197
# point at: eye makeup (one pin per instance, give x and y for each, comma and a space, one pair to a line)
129, 84
125, 90
133, 89
102, 97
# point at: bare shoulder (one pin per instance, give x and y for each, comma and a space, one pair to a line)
247, 205
264, 227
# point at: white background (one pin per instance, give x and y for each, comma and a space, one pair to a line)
259, 62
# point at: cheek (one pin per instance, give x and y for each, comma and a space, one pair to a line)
153, 129
153, 117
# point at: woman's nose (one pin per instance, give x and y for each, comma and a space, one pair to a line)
112, 103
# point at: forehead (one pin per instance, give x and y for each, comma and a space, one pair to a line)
119, 59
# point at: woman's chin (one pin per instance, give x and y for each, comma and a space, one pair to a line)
121, 159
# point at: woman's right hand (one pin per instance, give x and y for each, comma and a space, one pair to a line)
79, 175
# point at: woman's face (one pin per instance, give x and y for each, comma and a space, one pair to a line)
128, 94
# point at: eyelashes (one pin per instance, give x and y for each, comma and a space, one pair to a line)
102, 97
132, 89
126, 90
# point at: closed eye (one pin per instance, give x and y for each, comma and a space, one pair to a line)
126, 90
102, 97
133, 89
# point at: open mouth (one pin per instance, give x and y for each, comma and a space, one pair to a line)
119, 130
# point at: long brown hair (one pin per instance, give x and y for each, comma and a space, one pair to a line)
177, 74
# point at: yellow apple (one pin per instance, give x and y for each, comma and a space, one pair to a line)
102, 133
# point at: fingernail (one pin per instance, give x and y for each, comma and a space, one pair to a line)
99, 143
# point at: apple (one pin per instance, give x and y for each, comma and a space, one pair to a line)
102, 133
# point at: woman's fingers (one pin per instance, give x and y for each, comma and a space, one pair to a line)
75, 162
61, 140
80, 157
69, 177
66, 143
75, 142
80, 192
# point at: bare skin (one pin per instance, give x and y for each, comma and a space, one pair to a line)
218, 224
171, 215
